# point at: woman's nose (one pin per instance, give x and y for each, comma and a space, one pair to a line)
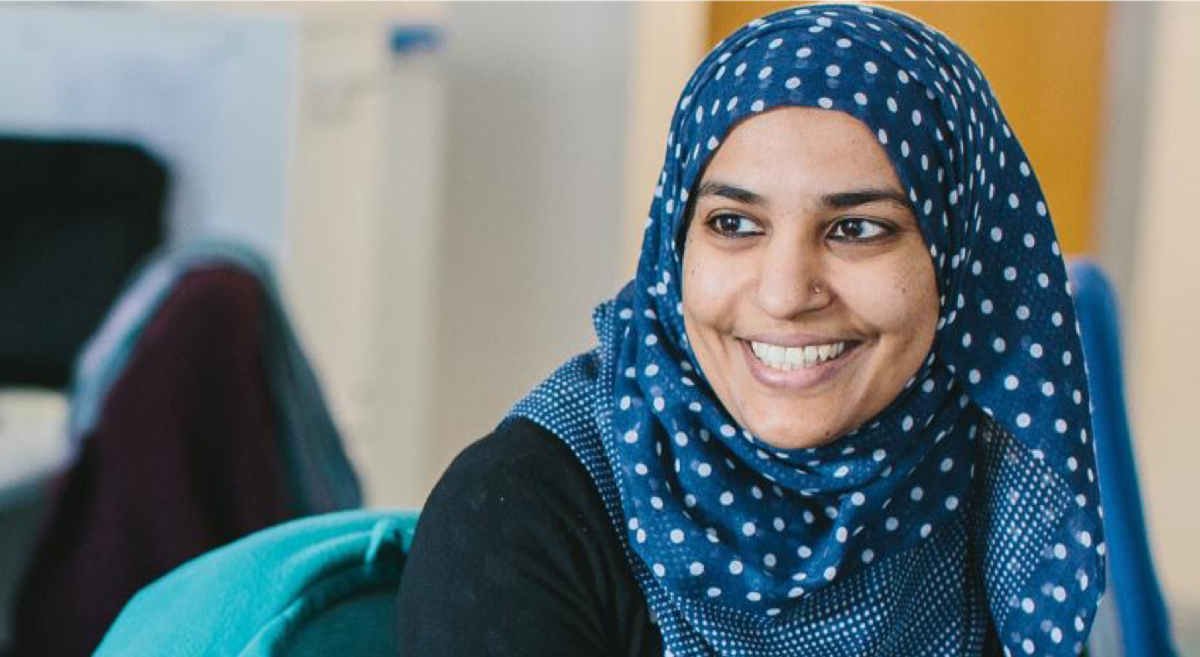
792, 281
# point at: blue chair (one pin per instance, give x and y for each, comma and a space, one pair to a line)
322, 585
1133, 588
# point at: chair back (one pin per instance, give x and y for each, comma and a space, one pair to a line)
1133, 587
321, 585
79, 214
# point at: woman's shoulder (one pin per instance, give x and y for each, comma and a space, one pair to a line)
517, 460
523, 489
515, 442
516, 518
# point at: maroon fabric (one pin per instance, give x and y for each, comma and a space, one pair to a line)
184, 459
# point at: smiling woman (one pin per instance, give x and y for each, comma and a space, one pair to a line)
840, 410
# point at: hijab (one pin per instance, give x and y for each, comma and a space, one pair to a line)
970, 501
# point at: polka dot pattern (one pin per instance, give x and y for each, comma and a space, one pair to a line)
904, 536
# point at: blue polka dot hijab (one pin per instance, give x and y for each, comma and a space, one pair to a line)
966, 513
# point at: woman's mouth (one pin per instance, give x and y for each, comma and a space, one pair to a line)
798, 368
786, 359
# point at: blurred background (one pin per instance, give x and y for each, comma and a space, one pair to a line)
445, 190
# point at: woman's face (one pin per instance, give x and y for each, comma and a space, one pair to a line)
808, 293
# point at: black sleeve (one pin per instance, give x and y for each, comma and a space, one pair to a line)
515, 555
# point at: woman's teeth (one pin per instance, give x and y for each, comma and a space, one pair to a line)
796, 358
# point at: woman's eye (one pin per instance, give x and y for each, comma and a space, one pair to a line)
858, 230
733, 225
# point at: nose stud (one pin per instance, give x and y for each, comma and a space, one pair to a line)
816, 287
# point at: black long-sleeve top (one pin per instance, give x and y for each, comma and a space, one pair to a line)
515, 554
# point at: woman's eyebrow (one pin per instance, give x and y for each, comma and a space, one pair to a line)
731, 192
836, 200
855, 198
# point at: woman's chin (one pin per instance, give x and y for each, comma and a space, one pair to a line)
792, 435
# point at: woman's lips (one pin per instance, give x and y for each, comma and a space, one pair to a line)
838, 355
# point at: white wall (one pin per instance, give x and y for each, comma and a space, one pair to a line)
536, 117
1163, 314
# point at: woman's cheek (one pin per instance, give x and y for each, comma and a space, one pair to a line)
910, 304
889, 300
710, 288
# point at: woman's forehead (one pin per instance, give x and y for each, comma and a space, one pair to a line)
820, 150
